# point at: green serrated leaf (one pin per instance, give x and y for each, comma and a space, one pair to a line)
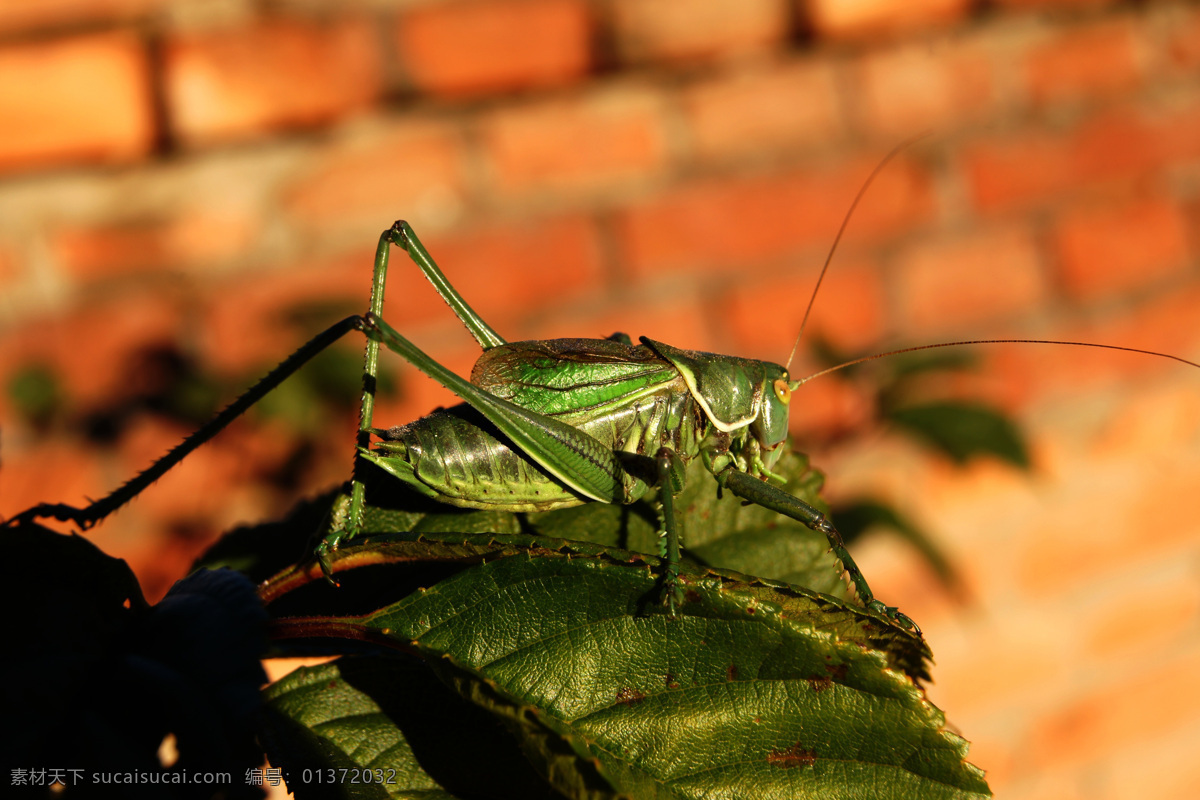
756, 690
961, 430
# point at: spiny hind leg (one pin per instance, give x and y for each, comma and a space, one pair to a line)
91, 514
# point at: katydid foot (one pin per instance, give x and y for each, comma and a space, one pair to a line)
894, 614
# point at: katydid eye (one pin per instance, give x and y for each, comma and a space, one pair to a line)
783, 391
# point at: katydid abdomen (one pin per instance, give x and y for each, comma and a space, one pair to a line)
626, 397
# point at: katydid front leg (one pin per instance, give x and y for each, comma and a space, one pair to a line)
670, 482
763, 494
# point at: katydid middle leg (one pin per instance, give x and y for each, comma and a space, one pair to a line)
768, 496
670, 482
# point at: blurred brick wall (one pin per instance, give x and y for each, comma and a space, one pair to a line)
186, 173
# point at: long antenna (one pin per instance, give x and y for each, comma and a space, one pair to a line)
995, 341
845, 221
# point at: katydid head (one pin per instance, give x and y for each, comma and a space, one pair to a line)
738, 395
770, 426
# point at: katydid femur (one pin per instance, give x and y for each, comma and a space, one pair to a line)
550, 424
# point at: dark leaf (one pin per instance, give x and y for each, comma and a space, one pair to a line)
101, 678
961, 430
855, 517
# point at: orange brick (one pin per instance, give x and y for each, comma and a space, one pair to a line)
416, 395
1162, 767
506, 272
1052, 4
1083, 63
726, 224
10, 270
957, 283
675, 315
101, 252
1017, 170
759, 110
1038, 166
1116, 146
1155, 700
679, 30
911, 89
486, 46
82, 99
1097, 530
1004, 663
596, 142
1154, 419
1104, 251
827, 409
1136, 619
53, 473
89, 348
69, 13
1038, 372
764, 314
1120, 145
503, 271
413, 170
866, 19
246, 318
1183, 43
237, 83
1178, 134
